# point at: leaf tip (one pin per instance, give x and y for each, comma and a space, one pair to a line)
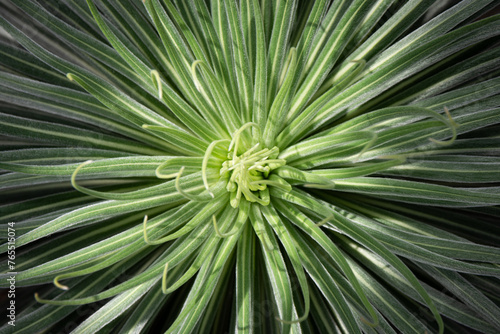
59, 285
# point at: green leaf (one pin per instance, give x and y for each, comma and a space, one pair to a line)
245, 276
279, 279
419, 192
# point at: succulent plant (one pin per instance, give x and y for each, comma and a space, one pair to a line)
250, 166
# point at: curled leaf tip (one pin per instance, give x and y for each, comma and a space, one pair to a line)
217, 231
299, 320
237, 134
195, 76
75, 172
291, 322
144, 231
367, 146
59, 285
204, 164
164, 279
160, 175
195, 198
450, 122
155, 76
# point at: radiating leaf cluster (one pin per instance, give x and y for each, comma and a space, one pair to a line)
123, 121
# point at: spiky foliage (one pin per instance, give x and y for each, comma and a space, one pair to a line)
251, 166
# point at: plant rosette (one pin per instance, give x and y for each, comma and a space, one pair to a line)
250, 166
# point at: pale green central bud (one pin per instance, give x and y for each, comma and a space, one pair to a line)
249, 174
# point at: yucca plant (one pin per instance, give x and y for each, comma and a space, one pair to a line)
250, 166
